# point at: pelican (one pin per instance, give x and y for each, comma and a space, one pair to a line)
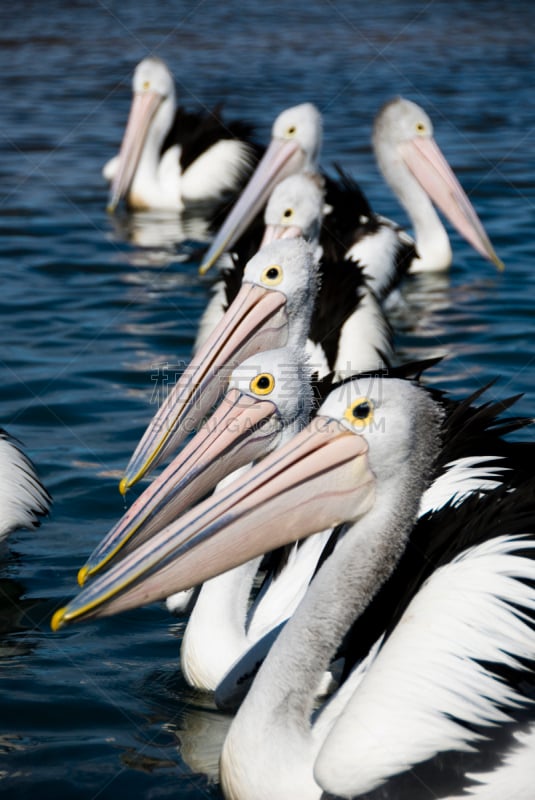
171, 159
414, 167
442, 698
294, 150
419, 175
271, 310
23, 498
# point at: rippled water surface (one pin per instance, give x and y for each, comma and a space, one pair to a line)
91, 306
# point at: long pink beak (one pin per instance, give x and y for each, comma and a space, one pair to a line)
241, 430
427, 163
255, 321
318, 479
144, 106
273, 232
282, 158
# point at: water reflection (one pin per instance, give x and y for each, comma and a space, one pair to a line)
421, 297
198, 729
201, 735
161, 236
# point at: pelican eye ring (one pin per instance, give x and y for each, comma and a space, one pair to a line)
272, 275
262, 384
420, 127
288, 213
290, 131
146, 85
360, 412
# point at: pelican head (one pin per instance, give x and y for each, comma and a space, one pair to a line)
271, 310
295, 146
295, 208
151, 116
268, 393
411, 161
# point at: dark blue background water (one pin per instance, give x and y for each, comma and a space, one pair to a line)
87, 315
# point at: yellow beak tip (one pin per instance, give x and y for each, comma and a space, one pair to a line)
82, 575
57, 620
203, 269
124, 486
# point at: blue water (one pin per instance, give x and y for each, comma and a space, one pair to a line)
90, 308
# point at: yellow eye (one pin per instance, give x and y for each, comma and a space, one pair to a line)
288, 214
146, 85
360, 412
291, 130
420, 127
272, 275
262, 384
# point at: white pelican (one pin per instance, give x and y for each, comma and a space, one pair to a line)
171, 159
23, 498
417, 172
269, 397
271, 310
443, 699
419, 175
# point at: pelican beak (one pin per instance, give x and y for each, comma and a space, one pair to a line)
272, 232
254, 322
144, 106
241, 430
427, 163
319, 479
282, 158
